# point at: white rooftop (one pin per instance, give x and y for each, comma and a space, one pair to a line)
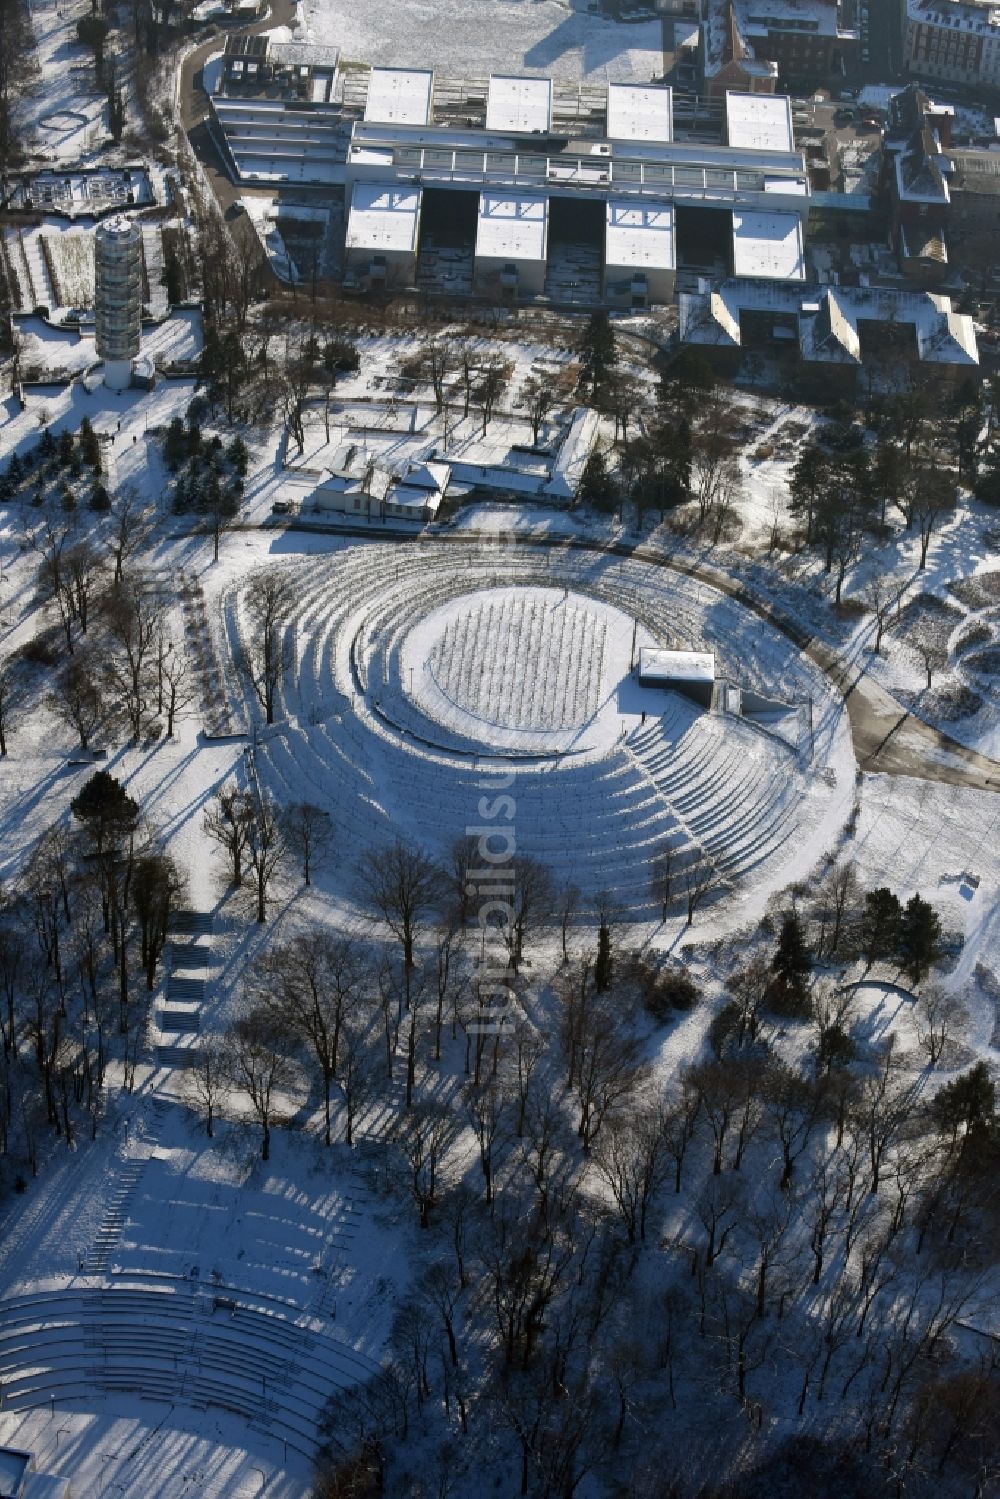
640, 112
676, 666
817, 17
768, 245
383, 217
640, 234
399, 96
759, 122
512, 226
523, 104
975, 17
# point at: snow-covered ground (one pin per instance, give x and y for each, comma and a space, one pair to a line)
557, 38
65, 352
408, 691
63, 119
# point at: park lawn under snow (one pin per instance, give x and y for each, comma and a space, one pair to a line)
215, 1207
63, 112
459, 38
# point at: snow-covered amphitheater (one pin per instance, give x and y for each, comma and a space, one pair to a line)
422, 672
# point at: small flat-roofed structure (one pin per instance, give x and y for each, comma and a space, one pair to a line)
691, 673
14, 1468
399, 96
640, 254
519, 105
759, 122
383, 228
640, 112
768, 246
512, 234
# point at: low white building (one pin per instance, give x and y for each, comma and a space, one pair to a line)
759, 122
399, 96
512, 234
519, 106
769, 246
383, 232
376, 495
691, 673
417, 495
640, 112
640, 253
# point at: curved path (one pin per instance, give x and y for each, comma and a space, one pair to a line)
193, 106
887, 738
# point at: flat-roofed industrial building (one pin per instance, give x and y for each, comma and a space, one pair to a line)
640, 253
768, 246
399, 96
521, 106
759, 122
640, 112
512, 234
383, 231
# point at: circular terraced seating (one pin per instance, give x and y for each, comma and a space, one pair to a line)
170, 1341
362, 734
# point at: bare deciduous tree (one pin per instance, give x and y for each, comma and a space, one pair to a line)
663, 876
227, 820
11, 701
309, 833
256, 1062
423, 1137
938, 1014
487, 1114
176, 687
311, 985
531, 902
631, 1157
607, 1070
132, 520
265, 847
700, 880
267, 655
157, 886
403, 883
205, 1084
357, 1073
77, 698
134, 622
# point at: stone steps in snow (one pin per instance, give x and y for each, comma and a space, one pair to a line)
186, 1021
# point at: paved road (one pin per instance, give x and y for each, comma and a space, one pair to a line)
887, 738
194, 106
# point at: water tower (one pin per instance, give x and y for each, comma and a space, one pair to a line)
118, 301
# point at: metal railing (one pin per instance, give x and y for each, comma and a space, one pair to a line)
583, 173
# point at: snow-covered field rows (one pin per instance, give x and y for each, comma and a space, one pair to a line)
522, 660
70, 258
558, 38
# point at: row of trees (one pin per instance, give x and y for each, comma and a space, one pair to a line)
875, 926
842, 491
115, 661
567, 1317
687, 444
82, 932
